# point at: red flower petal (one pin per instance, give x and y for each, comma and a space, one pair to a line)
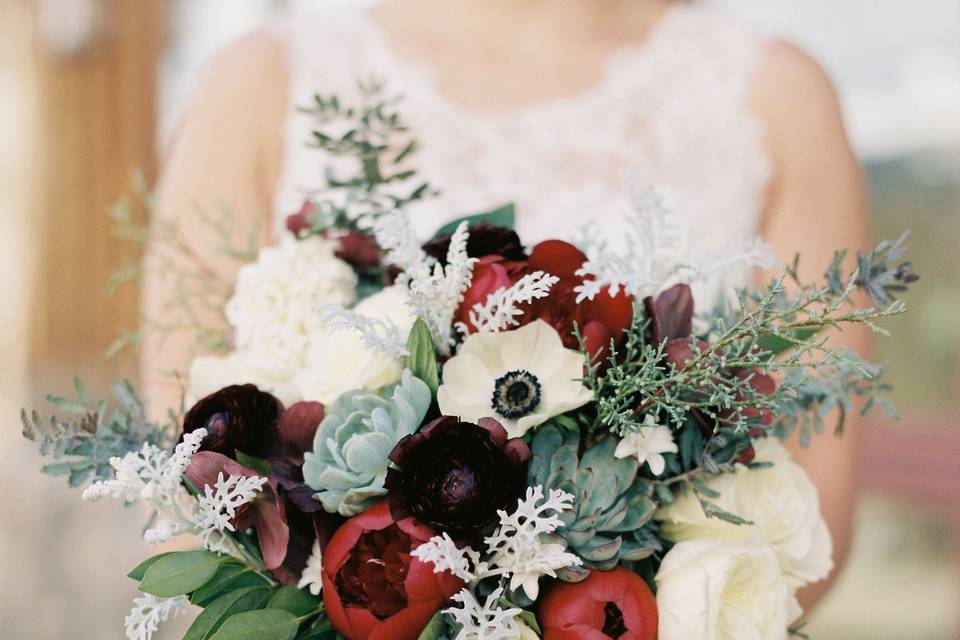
557, 258
578, 610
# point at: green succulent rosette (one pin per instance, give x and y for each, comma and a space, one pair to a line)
351, 447
611, 506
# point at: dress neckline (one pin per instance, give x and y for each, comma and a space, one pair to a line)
424, 77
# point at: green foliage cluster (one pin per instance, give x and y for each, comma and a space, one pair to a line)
776, 329
238, 601
373, 137
196, 292
612, 503
87, 434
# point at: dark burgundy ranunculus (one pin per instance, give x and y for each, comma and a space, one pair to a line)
485, 240
454, 476
373, 589
608, 604
600, 320
237, 418
265, 513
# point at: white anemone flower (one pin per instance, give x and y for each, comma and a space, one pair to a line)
648, 445
521, 378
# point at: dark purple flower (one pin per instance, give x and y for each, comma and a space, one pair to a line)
670, 315
237, 418
454, 476
485, 240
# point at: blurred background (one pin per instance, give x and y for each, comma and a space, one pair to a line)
90, 90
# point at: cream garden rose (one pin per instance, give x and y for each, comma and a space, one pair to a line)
723, 590
340, 361
780, 501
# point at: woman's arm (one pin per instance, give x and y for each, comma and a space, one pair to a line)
816, 204
225, 156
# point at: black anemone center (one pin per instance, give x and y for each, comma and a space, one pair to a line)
516, 394
613, 624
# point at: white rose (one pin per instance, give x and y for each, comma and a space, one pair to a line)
780, 501
212, 373
339, 361
723, 590
274, 306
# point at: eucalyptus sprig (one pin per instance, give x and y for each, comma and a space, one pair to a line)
817, 378
372, 139
86, 434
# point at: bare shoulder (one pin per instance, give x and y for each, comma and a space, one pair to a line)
253, 66
791, 90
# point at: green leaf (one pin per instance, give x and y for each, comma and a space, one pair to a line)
180, 573
434, 628
530, 620
229, 577
138, 571
777, 345
713, 511
504, 216
254, 463
297, 601
264, 624
223, 608
422, 360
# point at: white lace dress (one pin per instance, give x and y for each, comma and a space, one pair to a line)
673, 111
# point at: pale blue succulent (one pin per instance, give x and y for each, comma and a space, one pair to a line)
350, 450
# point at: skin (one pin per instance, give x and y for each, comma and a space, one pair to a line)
502, 54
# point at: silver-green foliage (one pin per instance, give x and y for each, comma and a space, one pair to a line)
611, 503
87, 433
350, 450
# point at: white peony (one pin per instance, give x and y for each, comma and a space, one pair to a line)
521, 378
212, 373
780, 501
339, 361
723, 590
274, 308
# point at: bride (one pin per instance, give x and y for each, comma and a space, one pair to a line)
542, 102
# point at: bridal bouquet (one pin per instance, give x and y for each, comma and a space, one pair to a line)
471, 438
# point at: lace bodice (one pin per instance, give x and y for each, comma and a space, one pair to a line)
673, 111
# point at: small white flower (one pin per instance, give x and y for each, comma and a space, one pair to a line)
522, 378
312, 576
723, 590
648, 445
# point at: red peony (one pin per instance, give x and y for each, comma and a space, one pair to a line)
490, 273
600, 320
373, 589
604, 318
608, 604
